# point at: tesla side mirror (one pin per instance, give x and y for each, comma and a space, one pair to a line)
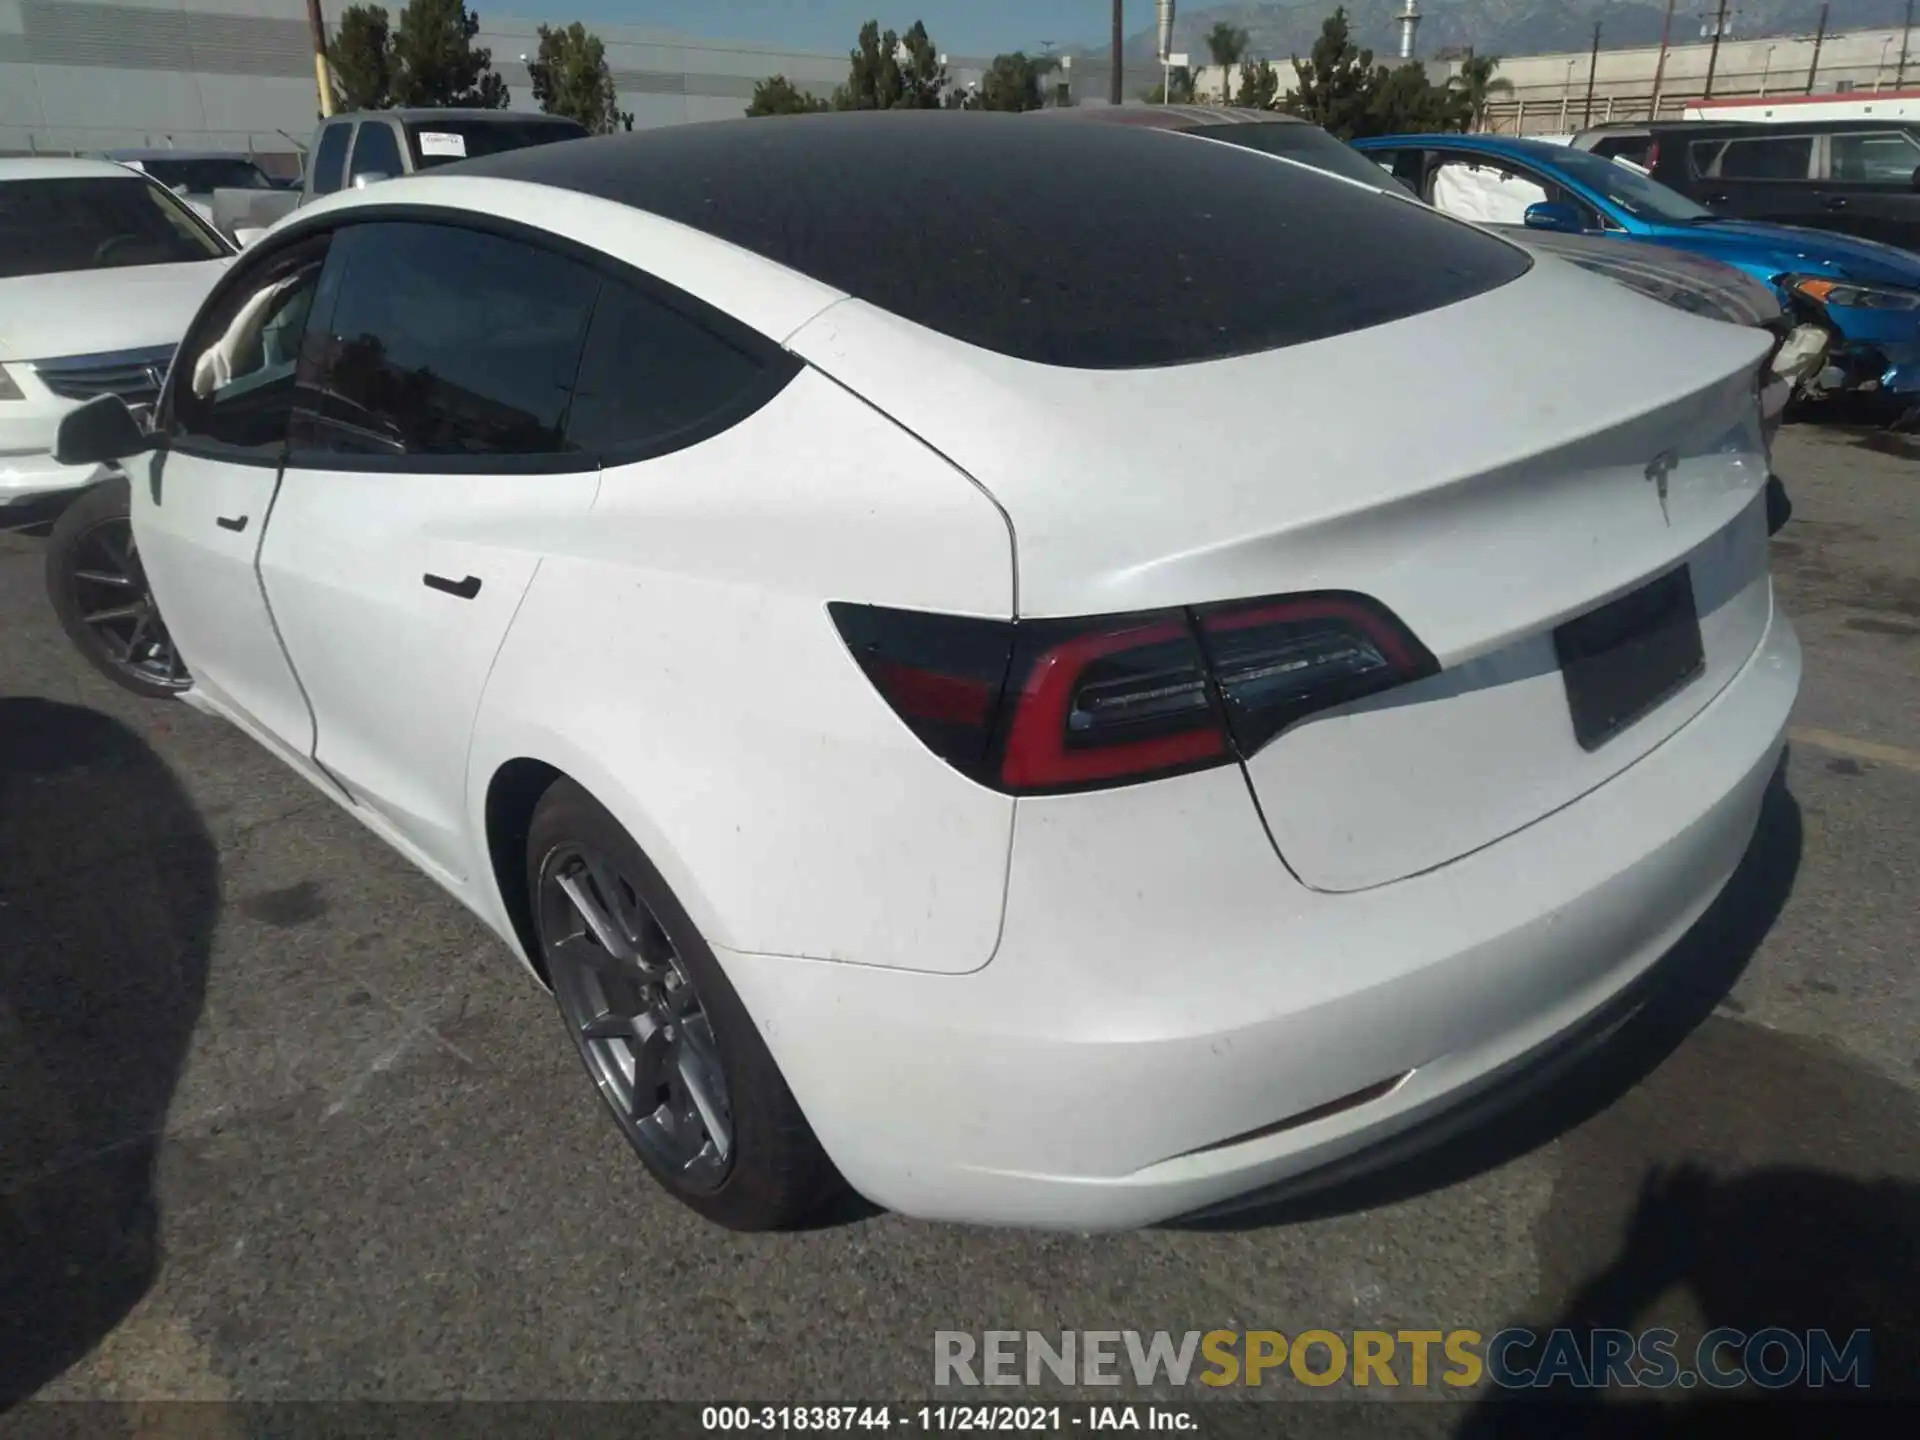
1553, 215
99, 432
369, 177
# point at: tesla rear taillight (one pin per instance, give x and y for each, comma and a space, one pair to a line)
1041, 706
1278, 661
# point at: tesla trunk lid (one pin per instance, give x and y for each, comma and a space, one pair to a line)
1492, 471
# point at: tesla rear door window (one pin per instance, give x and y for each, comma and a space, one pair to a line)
652, 379
444, 342
48, 227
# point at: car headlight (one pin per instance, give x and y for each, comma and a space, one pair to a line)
8, 390
1849, 293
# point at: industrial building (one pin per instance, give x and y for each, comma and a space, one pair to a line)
88, 75
82, 75
1549, 93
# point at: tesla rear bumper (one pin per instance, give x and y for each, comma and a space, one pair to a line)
1172, 1021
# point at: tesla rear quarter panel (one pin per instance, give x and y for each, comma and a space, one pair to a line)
712, 706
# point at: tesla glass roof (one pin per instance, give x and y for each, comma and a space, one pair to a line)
1096, 246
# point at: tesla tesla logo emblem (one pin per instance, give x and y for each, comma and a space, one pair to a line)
1659, 472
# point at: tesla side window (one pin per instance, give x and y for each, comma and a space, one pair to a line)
375, 152
652, 379
232, 388
329, 158
444, 342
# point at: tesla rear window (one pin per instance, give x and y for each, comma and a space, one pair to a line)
1091, 246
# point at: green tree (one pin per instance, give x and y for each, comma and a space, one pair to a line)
893, 72
1406, 102
361, 59
1227, 44
1477, 85
1177, 89
1259, 85
435, 61
571, 78
1333, 86
777, 95
1013, 82
1341, 89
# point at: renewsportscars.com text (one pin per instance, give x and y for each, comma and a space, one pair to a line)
1512, 1358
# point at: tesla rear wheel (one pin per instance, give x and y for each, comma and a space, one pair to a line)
100, 593
663, 1036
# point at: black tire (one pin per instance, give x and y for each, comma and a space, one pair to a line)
93, 536
776, 1176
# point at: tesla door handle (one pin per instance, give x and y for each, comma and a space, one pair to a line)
235, 523
466, 589
1836, 202
1716, 199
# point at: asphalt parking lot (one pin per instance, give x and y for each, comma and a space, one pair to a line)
279, 1121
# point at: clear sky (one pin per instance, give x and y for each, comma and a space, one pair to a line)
969, 27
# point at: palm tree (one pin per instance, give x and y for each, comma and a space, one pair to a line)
1477, 85
1227, 44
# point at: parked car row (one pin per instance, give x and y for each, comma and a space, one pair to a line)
1855, 177
1866, 293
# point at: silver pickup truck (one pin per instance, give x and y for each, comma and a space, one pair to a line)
373, 145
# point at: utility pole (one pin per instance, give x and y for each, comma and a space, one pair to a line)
1119, 43
1819, 34
1660, 65
317, 28
1906, 31
1593, 64
1713, 55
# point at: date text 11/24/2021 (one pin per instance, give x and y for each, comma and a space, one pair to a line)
947, 1419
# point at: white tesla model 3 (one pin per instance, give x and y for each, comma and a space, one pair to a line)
1059, 674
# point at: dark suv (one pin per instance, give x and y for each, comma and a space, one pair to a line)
1860, 177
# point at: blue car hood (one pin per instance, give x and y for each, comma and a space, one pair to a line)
1795, 247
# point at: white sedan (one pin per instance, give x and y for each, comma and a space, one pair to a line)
1059, 675
101, 268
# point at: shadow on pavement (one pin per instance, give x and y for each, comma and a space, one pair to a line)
1682, 991
1786, 1249
108, 895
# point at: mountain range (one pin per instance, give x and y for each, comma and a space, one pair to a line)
1505, 27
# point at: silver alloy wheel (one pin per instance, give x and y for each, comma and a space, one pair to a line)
113, 600
636, 1014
